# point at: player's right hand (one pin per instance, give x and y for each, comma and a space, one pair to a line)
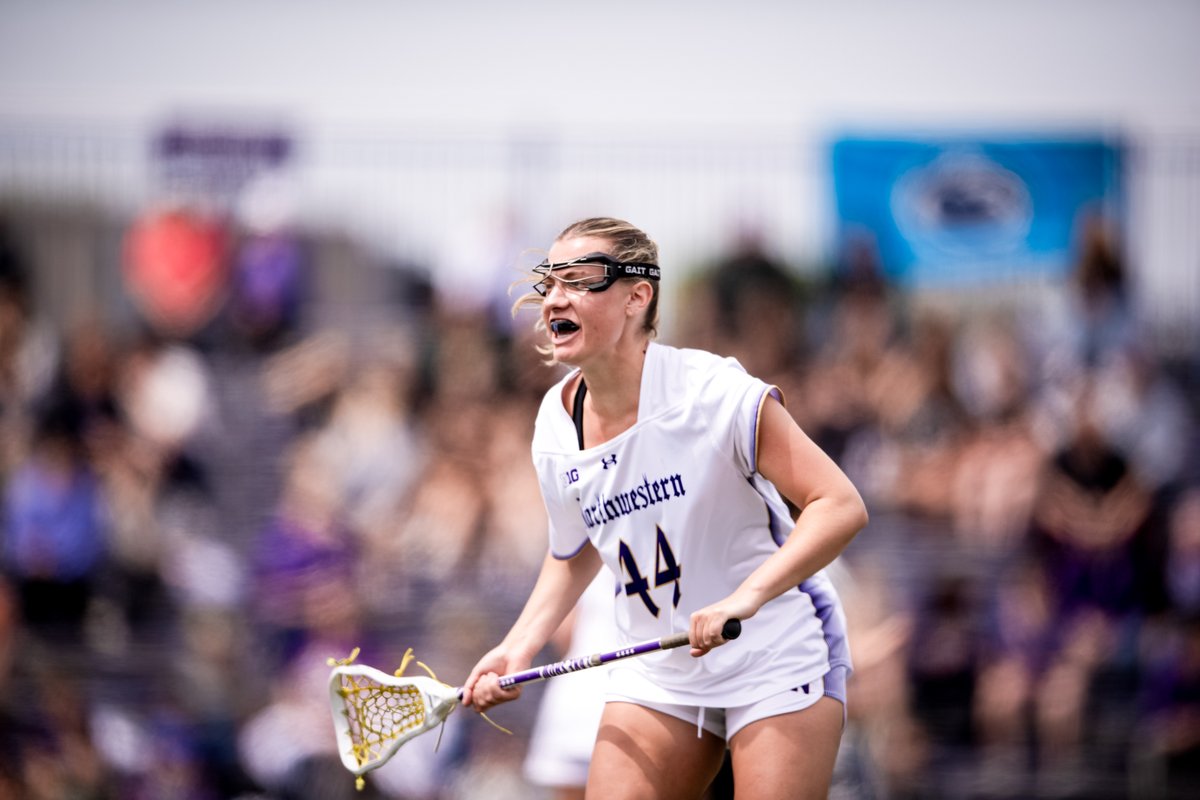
482, 689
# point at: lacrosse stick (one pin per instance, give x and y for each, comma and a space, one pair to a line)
375, 713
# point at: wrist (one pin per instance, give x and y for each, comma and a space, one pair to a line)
522, 649
752, 596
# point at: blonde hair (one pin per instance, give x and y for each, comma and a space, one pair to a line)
626, 243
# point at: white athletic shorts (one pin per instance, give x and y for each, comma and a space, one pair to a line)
726, 722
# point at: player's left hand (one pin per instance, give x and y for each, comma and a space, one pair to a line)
704, 632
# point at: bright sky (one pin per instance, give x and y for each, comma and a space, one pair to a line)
651, 65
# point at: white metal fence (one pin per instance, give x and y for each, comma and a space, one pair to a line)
450, 199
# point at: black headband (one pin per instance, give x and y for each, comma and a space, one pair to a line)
613, 269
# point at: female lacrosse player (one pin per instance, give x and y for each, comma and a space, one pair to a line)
670, 467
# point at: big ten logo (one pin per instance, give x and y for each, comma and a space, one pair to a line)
570, 476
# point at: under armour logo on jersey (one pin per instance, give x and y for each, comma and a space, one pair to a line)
609, 462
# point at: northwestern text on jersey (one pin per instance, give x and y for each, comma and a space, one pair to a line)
640, 496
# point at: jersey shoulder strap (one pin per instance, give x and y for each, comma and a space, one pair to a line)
577, 411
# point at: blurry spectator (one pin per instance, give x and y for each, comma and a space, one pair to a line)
834, 412
1183, 553
304, 379
54, 529
992, 369
1089, 523
201, 568
10, 731
1103, 320
1170, 730
28, 354
526, 377
444, 521
164, 398
851, 332
440, 525
172, 764
10, 626
943, 662
883, 748
165, 394
1145, 415
134, 479
14, 271
1049, 691
14, 311
268, 280
515, 543
370, 444
856, 318
913, 397
267, 287
175, 269
1091, 535
1020, 637
213, 693
86, 382
302, 551
756, 301
995, 478
465, 359
59, 756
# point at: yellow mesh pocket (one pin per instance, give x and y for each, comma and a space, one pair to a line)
379, 714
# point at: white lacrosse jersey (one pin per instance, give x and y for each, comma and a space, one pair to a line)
678, 512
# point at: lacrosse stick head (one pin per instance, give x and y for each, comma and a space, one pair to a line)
374, 713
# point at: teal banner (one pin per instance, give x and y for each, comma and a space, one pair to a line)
966, 210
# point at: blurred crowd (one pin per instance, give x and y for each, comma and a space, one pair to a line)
206, 500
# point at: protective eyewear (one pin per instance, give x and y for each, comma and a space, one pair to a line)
613, 271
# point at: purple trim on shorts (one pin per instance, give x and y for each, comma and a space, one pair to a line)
835, 687
835, 683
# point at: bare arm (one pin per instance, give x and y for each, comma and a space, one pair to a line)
833, 512
558, 587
